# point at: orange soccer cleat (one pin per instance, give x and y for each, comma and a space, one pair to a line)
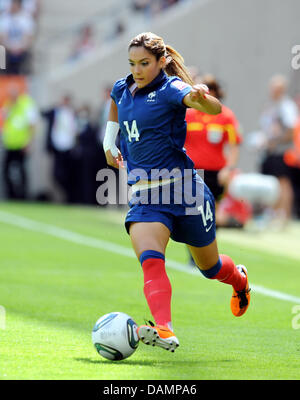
240, 300
158, 335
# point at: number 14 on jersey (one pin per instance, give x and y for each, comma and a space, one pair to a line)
133, 133
206, 215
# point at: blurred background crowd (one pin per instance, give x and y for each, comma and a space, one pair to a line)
51, 135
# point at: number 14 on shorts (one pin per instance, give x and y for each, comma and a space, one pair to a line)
207, 216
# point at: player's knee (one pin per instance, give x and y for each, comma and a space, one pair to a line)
212, 271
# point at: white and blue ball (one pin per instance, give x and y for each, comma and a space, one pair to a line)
115, 336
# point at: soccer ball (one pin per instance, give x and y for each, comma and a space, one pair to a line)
115, 336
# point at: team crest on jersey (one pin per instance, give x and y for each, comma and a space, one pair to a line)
151, 98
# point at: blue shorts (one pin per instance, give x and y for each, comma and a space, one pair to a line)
196, 230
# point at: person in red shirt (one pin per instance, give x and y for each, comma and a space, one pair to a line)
212, 142
292, 155
292, 160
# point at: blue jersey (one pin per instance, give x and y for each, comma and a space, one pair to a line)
153, 131
152, 124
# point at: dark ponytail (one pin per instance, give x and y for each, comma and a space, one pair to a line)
175, 65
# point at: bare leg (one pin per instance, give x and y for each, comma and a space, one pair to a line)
205, 257
149, 236
218, 266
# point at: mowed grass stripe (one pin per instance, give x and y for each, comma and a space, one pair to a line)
64, 234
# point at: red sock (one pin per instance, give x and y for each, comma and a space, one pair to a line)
157, 287
230, 274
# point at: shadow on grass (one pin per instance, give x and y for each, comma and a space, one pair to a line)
103, 361
152, 362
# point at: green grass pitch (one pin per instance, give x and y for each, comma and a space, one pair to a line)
55, 283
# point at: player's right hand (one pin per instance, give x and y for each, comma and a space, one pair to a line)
112, 161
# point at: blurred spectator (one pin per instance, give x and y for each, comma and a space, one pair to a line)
84, 44
248, 199
20, 118
61, 140
292, 159
16, 35
120, 28
152, 7
30, 6
156, 7
168, 3
103, 112
101, 123
233, 212
5, 5
141, 5
277, 122
87, 155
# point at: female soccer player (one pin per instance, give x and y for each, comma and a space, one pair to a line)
148, 106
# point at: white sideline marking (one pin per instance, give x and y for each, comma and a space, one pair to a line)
78, 238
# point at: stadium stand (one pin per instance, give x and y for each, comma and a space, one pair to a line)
61, 22
222, 52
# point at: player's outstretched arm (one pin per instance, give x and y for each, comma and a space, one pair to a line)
112, 153
199, 99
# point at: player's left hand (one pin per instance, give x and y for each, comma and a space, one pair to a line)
112, 161
199, 92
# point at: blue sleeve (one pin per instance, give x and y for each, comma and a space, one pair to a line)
177, 90
117, 90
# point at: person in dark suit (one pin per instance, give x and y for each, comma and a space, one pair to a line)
60, 141
89, 157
